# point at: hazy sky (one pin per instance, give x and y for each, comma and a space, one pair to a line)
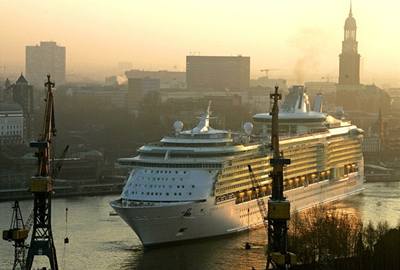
300, 37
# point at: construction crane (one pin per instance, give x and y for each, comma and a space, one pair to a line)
278, 215
17, 234
41, 185
267, 70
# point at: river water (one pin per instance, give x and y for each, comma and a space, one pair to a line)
100, 241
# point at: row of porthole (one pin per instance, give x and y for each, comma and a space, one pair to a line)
158, 171
162, 179
160, 186
160, 193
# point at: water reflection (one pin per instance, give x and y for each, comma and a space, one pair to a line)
99, 241
222, 253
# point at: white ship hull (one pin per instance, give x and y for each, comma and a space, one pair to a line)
170, 222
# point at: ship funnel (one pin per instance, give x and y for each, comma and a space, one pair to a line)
318, 103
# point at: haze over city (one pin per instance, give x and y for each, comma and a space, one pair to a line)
300, 38
233, 134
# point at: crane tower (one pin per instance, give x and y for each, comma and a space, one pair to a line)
41, 186
278, 215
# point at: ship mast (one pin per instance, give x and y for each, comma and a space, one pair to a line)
278, 256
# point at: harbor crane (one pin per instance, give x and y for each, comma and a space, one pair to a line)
41, 185
278, 215
17, 234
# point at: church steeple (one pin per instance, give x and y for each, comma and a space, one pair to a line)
349, 66
351, 9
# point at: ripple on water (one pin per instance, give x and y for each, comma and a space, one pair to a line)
99, 241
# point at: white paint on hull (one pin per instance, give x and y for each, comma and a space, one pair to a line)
171, 222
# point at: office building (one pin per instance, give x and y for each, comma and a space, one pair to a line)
43, 59
11, 123
218, 73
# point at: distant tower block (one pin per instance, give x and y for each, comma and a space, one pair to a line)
349, 59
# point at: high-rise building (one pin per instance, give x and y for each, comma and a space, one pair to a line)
349, 59
43, 59
224, 73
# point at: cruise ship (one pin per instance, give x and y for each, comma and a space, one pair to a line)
196, 183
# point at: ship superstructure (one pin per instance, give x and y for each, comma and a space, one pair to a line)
196, 183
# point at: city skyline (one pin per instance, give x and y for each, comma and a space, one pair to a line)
293, 37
